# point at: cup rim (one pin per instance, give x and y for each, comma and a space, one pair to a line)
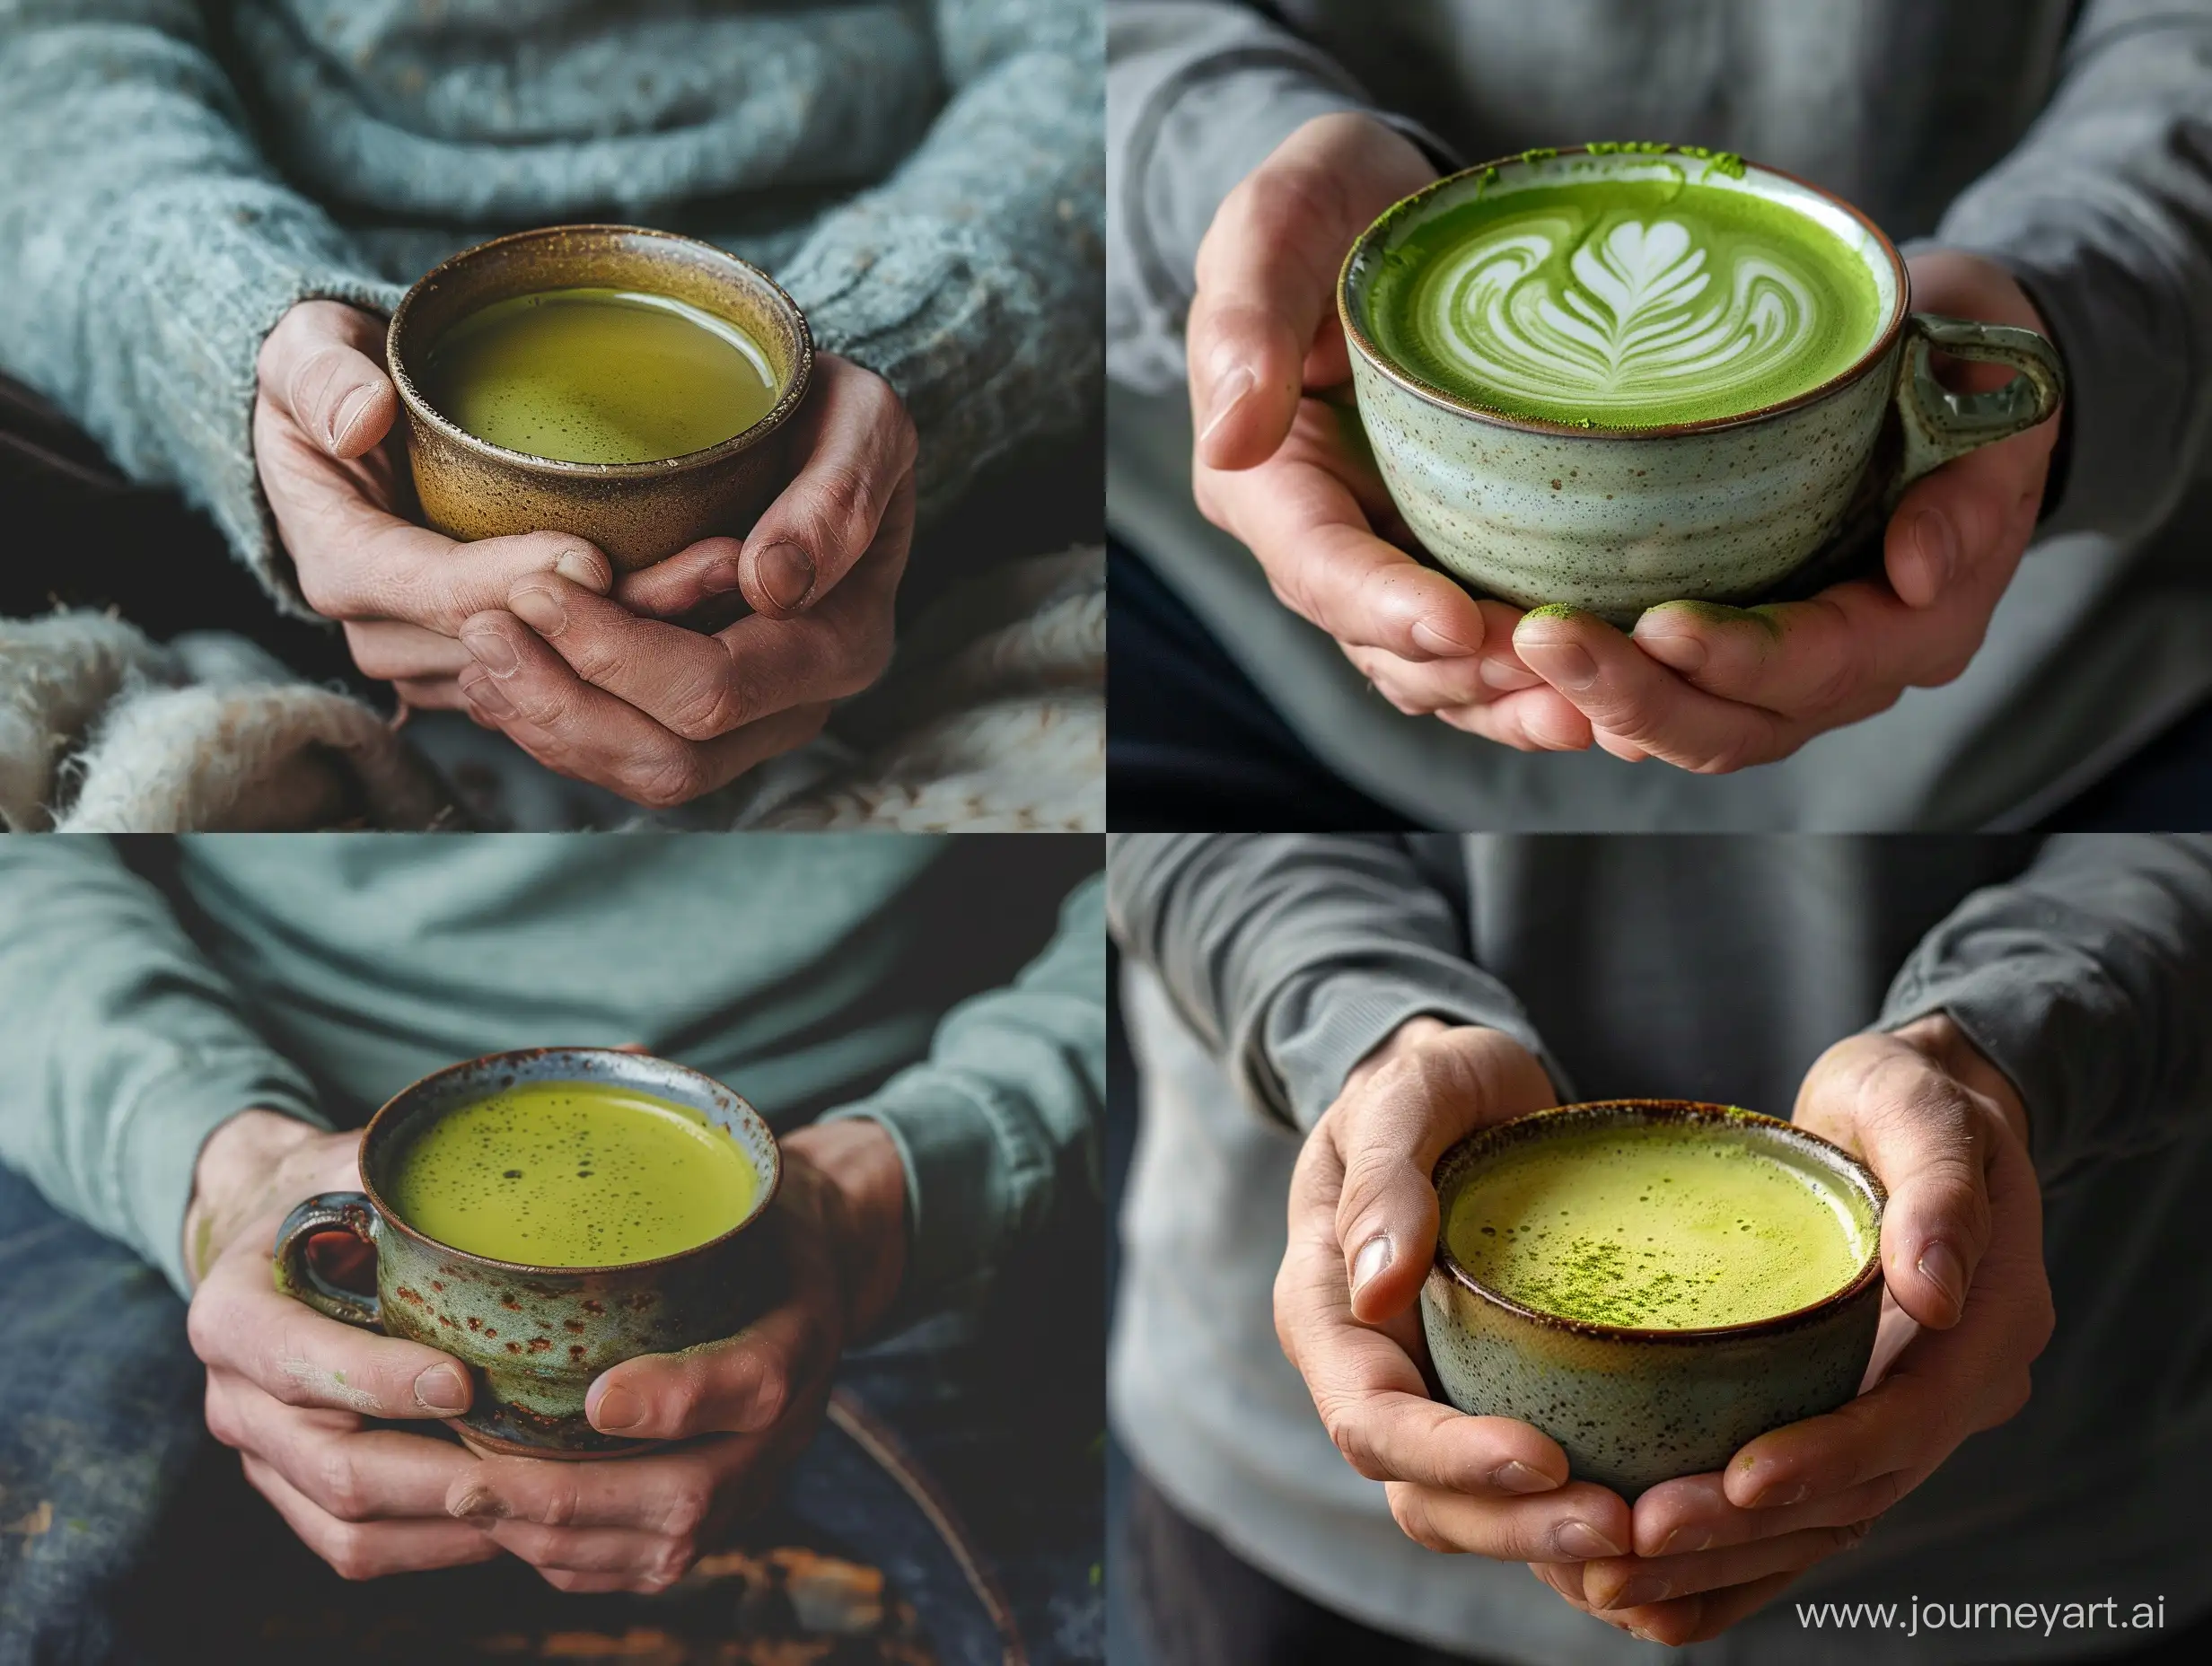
1537, 1124
762, 1197
744, 439
1356, 337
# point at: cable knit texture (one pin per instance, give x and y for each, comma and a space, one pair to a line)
924, 176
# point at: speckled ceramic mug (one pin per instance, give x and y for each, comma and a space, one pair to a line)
1616, 520
534, 1337
638, 513
1631, 1406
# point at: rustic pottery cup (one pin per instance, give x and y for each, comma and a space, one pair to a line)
1632, 1406
534, 1337
638, 513
1733, 509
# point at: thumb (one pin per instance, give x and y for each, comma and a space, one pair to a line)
315, 366
1930, 1143
1267, 273
1391, 1131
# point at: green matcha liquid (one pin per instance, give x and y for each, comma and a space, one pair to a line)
598, 376
572, 1174
1659, 1227
1623, 303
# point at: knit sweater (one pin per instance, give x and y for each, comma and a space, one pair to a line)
925, 177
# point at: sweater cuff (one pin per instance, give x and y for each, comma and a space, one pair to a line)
173, 1112
1318, 1028
957, 1189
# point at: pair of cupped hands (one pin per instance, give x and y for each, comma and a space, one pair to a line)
1965, 1309
311, 1404
637, 683
1280, 463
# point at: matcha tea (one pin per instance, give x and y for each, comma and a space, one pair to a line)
1660, 1227
1623, 303
572, 1174
598, 376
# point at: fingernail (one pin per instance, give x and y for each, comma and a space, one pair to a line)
1940, 1262
1229, 392
1563, 664
478, 1504
1431, 639
1937, 540
493, 651
1374, 1256
1685, 1541
721, 578
786, 574
1686, 654
1518, 1477
348, 412
1775, 1497
1507, 675
579, 568
1642, 1589
540, 609
618, 1409
1582, 1541
484, 693
441, 1389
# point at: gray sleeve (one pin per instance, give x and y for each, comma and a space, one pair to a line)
2088, 982
146, 249
1294, 956
2105, 214
1198, 93
120, 1048
969, 279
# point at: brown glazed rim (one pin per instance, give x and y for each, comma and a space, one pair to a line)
1543, 1124
386, 1213
1460, 406
744, 439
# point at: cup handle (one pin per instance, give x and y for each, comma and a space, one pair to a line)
1938, 425
326, 1212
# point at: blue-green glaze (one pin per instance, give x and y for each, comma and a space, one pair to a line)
1615, 520
533, 1338
1633, 1408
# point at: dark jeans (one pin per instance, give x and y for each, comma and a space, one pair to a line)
130, 1537
1194, 745
1199, 1605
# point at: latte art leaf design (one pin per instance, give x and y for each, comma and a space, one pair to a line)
1642, 313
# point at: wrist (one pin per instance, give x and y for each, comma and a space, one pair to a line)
866, 1187
244, 1170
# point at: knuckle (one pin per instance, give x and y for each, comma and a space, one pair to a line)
687, 1513
558, 1505
668, 778
1409, 1508
347, 1548
1351, 1437
841, 495
704, 707
337, 1484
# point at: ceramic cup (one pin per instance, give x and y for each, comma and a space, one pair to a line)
1632, 1407
638, 513
534, 1337
1616, 521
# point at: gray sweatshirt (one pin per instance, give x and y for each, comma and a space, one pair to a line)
1262, 968
151, 989
2068, 142
923, 175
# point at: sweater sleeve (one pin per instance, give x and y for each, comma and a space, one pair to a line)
1293, 956
120, 1048
968, 280
2087, 982
1198, 92
146, 249
1000, 1124
2105, 214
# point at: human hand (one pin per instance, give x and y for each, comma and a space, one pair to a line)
292, 1390
1362, 1236
1966, 1309
335, 473
1281, 464
1714, 690
610, 691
